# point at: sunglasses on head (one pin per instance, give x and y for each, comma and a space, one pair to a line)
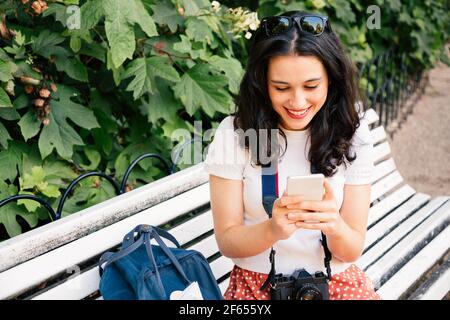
313, 24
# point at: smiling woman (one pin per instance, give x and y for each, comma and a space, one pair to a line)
301, 93
301, 87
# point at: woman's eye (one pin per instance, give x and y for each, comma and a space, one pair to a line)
281, 89
312, 87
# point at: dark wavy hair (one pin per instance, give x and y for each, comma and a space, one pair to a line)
333, 127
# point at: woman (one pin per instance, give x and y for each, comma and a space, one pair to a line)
298, 80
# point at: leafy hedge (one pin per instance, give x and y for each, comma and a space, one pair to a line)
96, 97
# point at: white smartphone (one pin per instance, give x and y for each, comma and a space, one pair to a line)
310, 187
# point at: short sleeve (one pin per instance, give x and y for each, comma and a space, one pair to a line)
225, 158
361, 170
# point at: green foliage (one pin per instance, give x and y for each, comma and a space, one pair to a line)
96, 98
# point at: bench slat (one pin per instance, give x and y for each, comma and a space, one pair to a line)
430, 223
380, 209
437, 287
381, 151
383, 169
399, 283
224, 285
392, 220
378, 134
385, 185
207, 246
193, 228
221, 266
15, 280
398, 233
371, 115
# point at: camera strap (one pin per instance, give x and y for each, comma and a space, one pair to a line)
269, 183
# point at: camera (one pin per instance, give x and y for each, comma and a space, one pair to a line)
301, 285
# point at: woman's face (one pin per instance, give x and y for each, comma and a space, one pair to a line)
298, 87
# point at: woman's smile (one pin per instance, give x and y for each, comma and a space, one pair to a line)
298, 114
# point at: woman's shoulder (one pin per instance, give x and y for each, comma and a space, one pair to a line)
226, 123
362, 134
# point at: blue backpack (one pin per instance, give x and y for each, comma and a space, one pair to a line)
142, 271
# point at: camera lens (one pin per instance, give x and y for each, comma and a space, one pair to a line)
309, 292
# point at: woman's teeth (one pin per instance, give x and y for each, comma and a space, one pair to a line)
298, 113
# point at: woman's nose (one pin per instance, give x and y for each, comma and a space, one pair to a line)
298, 100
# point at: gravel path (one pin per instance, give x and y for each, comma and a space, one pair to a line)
421, 147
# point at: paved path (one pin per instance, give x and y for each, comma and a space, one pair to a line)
421, 147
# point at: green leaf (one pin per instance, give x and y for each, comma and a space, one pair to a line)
199, 89
145, 70
4, 99
9, 212
29, 125
30, 205
192, 7
178, 123
50, 191
232, 69
58, 173
21, 101
5, 71
139, 15
30, 180
95, 50
4, 136
72, 66
166, 14
120, 18
94, 157
343, 10
198, 30
161, 105
9, 114
10, 159
59, 134
75, 43
132, 152
121, 39
45, 42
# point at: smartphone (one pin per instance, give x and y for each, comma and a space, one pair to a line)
310, 187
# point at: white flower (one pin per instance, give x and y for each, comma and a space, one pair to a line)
248, 35
215, 5
253, 26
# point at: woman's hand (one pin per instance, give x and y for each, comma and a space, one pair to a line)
280, 226
317, 215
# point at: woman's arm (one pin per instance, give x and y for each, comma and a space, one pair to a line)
348, 244
237, 240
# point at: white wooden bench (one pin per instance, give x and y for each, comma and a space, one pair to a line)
406, 255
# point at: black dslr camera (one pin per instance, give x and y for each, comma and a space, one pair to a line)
300, 286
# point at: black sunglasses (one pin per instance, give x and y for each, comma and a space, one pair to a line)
313, 24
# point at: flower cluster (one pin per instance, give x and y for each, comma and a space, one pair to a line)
242, 21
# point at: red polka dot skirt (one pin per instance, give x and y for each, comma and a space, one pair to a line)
351, 284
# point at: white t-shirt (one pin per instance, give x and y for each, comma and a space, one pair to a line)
226, 159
